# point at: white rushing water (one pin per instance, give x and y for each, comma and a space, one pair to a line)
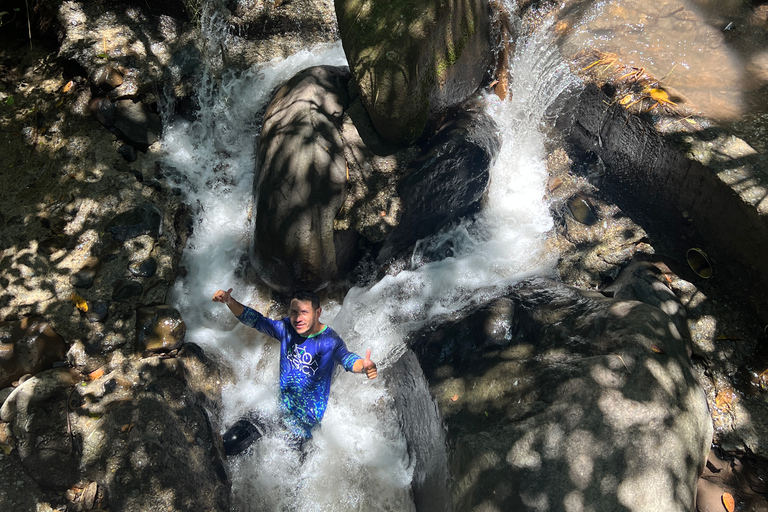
358, 458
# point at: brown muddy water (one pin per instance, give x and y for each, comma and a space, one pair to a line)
711, 56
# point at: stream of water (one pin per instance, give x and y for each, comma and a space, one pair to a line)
359, 457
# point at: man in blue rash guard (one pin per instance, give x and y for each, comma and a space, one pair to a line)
309, 352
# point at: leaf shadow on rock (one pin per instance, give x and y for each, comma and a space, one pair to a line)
554, 398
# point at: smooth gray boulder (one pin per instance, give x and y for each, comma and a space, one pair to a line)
300, 184
562, 399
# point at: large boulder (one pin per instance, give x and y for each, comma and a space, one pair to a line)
413, 60
300, 184
557, 398
447, 180
135, 436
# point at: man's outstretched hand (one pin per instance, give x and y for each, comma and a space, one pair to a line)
225, 297
222, 296
369, 367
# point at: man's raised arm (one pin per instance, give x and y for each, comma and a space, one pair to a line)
225, 297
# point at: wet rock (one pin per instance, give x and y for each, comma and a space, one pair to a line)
301, 185
582, 210
28, 345
144, 219
130, 88
136, 122
107, 78
128, 153
203, 375
144, 268
38, 411
85, 357
126, 289
431, 56
84, 277
159, 329
744, 477
97, 312
551, 390
447, 180
130, 120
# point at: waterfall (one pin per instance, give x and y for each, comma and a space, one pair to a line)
359, 458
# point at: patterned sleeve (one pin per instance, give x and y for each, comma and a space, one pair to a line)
253, 318
343, 356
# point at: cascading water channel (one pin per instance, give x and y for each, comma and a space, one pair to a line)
359, 458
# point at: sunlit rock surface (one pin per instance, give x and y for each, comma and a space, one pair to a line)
413, 60
556, 397
136, 430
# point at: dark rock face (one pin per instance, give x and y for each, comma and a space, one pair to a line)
414, 60
447, 180
130, 120
554, 396
144, 219
28, 345
300, 184
159, 329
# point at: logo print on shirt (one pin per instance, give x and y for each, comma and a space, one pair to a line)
303, 360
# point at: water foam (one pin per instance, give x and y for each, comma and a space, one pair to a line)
358, 458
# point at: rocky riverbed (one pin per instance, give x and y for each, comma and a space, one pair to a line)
92, 235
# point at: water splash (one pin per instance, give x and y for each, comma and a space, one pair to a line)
359, 458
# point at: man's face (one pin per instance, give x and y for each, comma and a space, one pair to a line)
304, 318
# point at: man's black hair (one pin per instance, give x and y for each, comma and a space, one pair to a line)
307, 295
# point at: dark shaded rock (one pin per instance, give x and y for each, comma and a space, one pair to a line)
104, 111
128, 152
144, 219
28, 345
159, 329
136, 122
84, 277
38, 411
137, 433
126, 289
152, 437
301, 183
424, 432
414, 60
145, 268
447, 180
556, 394
582, 210
97, 312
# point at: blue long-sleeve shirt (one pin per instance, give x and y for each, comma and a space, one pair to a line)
306, 367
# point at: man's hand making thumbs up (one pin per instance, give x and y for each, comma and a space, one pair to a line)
366, 366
